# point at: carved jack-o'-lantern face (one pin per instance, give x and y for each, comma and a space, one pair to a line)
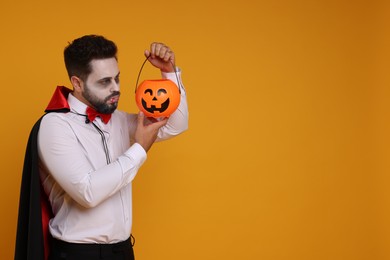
157, 98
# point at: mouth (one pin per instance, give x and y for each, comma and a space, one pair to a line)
114, 99
153, 109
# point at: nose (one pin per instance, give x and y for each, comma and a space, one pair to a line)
115, 86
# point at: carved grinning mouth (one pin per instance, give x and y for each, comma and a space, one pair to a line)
153, 108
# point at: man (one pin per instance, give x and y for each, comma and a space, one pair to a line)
89, 152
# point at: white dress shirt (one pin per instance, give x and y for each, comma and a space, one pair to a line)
92, 200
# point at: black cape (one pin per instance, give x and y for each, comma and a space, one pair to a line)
32, 236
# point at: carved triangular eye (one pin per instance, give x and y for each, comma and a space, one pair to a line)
149, 91
161, 91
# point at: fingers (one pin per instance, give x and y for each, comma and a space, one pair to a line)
150, 121
146, 132
161, 51
147, 53
161, 123
140, 119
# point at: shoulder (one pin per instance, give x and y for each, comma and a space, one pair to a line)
53, 121
53, 117
60, 124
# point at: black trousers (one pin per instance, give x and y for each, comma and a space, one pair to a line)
61, 250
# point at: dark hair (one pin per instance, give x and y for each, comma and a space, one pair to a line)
82, 51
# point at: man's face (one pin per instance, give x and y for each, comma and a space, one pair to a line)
101, 89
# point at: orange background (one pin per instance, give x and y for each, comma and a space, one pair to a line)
287, 154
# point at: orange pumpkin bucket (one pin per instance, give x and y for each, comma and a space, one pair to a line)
157, 98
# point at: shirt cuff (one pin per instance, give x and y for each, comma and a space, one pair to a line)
135, 156
175, 77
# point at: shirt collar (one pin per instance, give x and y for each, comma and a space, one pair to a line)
76, 105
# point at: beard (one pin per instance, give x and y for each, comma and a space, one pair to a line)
100, 105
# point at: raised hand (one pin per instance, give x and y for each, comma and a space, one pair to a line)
147, 130
161, 56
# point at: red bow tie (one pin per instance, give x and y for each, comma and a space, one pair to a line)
92, 114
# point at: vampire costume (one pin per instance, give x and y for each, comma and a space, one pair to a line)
33, 237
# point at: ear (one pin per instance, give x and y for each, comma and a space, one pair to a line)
77, 83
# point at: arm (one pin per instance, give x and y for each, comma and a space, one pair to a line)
178, 121
163, 58
75, 168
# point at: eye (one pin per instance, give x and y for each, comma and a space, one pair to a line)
105, 82
117, 79
149, 91
161, 91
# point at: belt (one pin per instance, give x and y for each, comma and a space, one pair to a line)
92, 249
